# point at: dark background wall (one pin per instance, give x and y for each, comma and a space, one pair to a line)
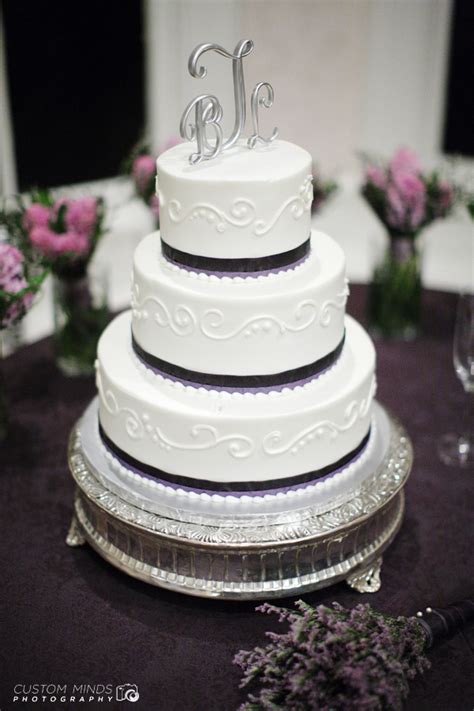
459, 119
76, 78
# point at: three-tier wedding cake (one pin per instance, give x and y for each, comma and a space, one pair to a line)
237, 372
235, 448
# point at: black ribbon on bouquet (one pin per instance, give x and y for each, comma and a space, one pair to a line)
230, 486
443, 623
245, 382
235, 265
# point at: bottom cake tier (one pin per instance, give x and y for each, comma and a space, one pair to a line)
162, 497
284, 545
238, 442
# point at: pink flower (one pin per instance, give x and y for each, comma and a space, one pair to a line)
81, 215
409, 186
12, 281
52, 244
405, 161
43, 239
36, 216
143, 171
408, 199
77, 243
11, 265
376, 176
406, 202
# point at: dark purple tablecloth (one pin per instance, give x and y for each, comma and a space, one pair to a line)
70, 618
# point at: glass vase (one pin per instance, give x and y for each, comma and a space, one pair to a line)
80, 315
394, 307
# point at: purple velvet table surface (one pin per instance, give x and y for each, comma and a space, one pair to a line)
71, 618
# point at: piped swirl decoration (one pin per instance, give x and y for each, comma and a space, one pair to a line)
182, 321
201, 436
297, 206
214, 325
213, 321
242, 212
274, 444
133, 424
338, 303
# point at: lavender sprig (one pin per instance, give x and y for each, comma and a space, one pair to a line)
332, 658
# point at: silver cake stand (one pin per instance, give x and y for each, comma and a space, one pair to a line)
260, 555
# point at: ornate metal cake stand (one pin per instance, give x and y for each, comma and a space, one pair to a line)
260, 556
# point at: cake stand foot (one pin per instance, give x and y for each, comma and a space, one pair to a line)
366, 580
75, 537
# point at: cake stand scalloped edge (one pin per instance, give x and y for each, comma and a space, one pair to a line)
345, 543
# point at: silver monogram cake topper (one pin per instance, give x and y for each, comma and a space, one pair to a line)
208, 110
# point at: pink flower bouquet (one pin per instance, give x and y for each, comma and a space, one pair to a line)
17, 285
64, 232
20, 278
61, 235
405, 199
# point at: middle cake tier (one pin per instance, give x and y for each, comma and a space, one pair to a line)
250, 331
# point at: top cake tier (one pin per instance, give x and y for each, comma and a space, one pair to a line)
245, 204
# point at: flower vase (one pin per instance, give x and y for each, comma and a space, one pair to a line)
395, 291
80, 315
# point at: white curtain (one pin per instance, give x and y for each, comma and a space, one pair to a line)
172, 29
347, 76
407, 68
8, 182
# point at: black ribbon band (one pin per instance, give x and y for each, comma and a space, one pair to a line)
442, 624
246, 382
236, 265
235, 486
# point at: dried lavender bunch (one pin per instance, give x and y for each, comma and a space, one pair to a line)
332, 658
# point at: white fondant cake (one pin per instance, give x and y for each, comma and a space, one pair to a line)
237, 369
242, 204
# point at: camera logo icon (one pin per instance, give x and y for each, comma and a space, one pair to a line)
127, 692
